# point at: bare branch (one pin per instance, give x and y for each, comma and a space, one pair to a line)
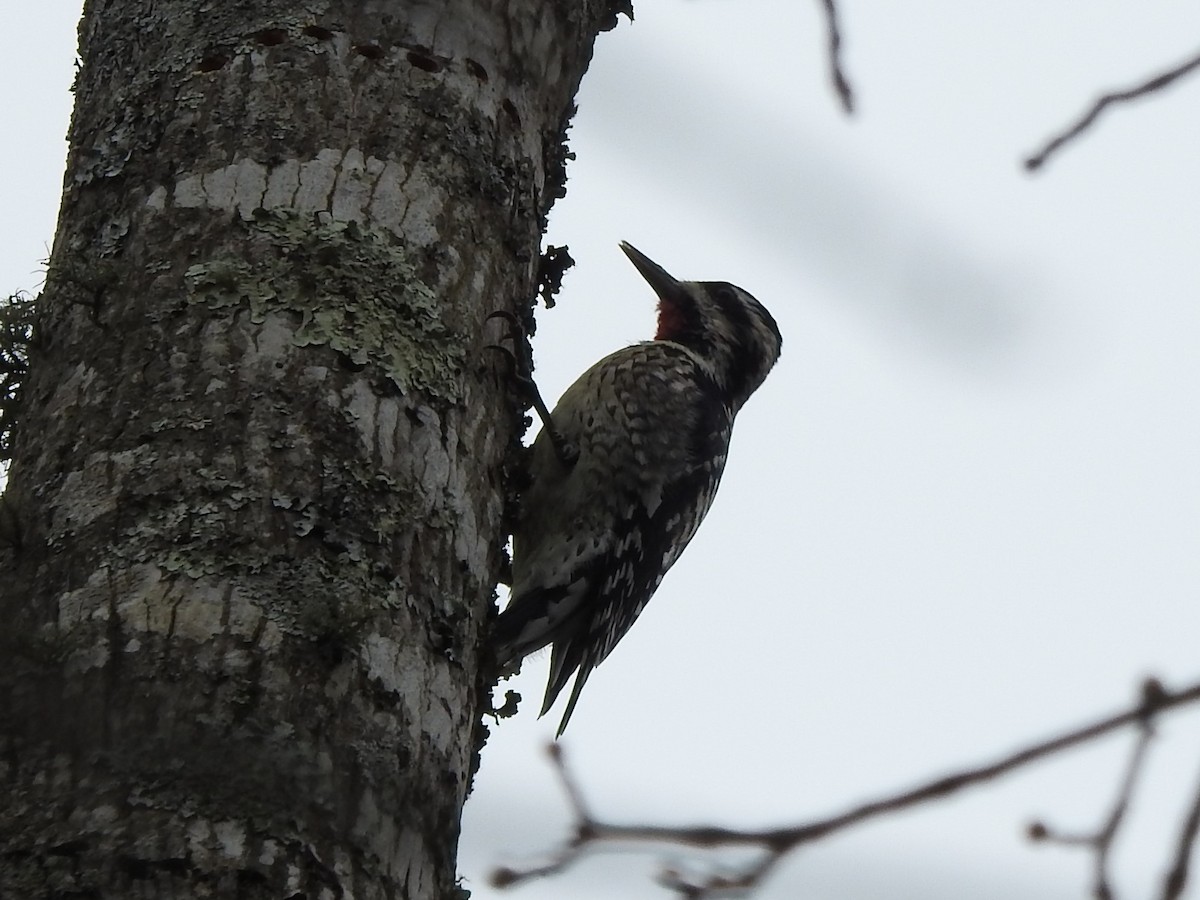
836, 73
1102, 840
1150, 86
1177, 878
574, 794
584, 831
777, 842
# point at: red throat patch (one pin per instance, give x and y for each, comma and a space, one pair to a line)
670, 320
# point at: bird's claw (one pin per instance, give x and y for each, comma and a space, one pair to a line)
521, 361
519, 355
508, 355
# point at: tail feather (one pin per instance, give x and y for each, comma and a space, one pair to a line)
566, 659
580, 680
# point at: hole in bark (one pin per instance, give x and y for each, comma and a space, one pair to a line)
250, 878
424, 61
346, 362
145, 869
476, 69
511, 112
69, 848
370, 51
317, 32
331, 649
269, 37
214, 61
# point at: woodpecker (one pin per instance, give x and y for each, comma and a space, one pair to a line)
623, 472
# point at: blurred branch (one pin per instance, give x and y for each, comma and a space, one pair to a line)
1102, 840
1177, 878
775, 843
1150, 86
836, 73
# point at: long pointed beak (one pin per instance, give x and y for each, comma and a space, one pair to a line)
658, 277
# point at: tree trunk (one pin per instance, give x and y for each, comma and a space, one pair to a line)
259, 476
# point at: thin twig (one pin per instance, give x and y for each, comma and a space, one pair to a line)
1176, 879
1108, 834
1101, 841
574, 794
1151, 85
740, 883
776, 842
836, 73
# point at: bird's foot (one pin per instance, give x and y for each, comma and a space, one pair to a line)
520, 360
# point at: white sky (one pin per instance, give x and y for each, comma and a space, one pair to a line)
964, 511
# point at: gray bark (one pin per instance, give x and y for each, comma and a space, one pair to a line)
259, 476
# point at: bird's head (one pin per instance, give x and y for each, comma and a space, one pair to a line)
730, 331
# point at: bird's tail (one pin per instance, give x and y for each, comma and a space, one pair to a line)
580, 680
566, 660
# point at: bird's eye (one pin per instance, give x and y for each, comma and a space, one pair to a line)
726, 295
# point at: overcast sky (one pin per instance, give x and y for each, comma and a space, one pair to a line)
963, 512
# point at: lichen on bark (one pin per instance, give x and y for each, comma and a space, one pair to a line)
354, 290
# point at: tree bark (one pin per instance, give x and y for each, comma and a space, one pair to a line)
259, 477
